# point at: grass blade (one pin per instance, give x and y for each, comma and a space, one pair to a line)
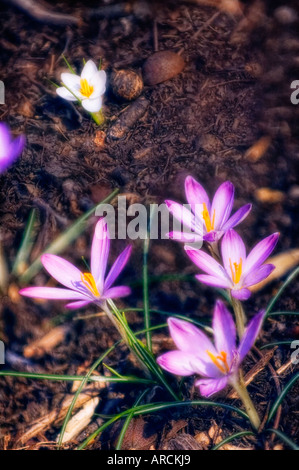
238, 435
26, 244
147, 322
277, 343
72, 378
284, 438
147, 409
282, 396
281, 289
128, 420
80, 388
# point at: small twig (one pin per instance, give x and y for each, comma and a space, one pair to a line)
278, 389
111, 11
206, 24
284, 367
256, 369
156, 36
42, 14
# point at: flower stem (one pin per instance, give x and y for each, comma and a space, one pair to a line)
240, 316
98, 117
241, 390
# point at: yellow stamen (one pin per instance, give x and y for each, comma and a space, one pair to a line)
86, 89
90, 283
224, 368
236, 271
207, 219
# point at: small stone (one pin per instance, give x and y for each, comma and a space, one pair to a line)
99, 139
210, 143
294, 192
285, 15
162, 66
126, 84
203, 439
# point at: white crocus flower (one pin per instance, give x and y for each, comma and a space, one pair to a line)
88, 88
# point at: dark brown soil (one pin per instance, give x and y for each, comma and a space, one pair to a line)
235, 89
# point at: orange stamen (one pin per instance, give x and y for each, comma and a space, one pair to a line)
224, 368
207, 219
236, 271
86, 89
90, 283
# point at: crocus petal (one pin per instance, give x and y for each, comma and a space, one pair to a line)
214, 281
176, 362
184, 237
118, 266
72, 82
89, 70
206, 263
92, 105
258, 275
195, 194
116, 292
5, 139
232, 249
238, 217
224, 331
64, 93
188, 338
213, 236
241, 294
208, 387
98, 81
260, 253
250, 335
182, 214
99, 253
52, 293
77, 305
9, 149
222, 203
63, 271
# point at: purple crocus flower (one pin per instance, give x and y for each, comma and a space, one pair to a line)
10, 148
207, 220
84, 288
238, 271
218, 363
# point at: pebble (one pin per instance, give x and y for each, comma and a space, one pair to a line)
162, 66
126, 84
285, 15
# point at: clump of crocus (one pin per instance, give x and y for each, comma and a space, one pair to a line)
10, 149
219, 362
88, 88
207, 220
84, 287
239, 272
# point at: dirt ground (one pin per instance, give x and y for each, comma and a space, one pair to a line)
233, 91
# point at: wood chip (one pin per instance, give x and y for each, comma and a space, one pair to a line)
256, 369
258, 149
283, 264
55, 417
269, 196
47, 343
80, 420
